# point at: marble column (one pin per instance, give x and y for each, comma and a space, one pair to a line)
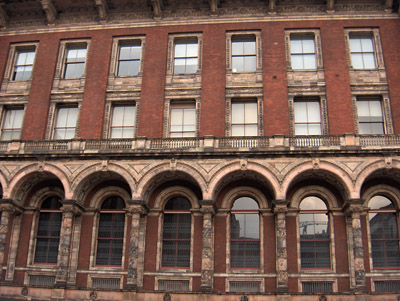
70, 209
136, 245
207, 253
353, 211
280, 209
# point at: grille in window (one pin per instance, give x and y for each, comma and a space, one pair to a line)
105, 283
387, 286
245, 286
317, 287
173, 285
41, 280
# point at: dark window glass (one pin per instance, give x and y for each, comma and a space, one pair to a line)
176, 233
110, 236
48, 232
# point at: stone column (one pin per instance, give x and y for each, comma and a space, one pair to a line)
207, 253
280, 209
353, 211
136, 245
70, 209
7, 209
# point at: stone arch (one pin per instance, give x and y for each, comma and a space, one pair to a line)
386, 190
264, 173
238, 192
40, 195
170, 192
37, 171
313, 190
388, 166
342, 178
151, 175
102, 194
3, 184
79, 182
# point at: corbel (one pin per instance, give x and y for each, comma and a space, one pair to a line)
50, 10
388, 6
214, 7
330, 6
271, 6
3, 16
102, 8
157, 8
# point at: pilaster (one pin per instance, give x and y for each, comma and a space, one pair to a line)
280, 209
136, 245
207, 253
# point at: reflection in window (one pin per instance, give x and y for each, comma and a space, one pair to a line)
129, 59
176, 233
75, 62
24, 64
245, 234
244, 118
370, 117
123, 122
362, 52
244, 57
384, 233
307, 118
66, 123
314, 234
110, 236
48, 232
302, 50
186, 57
12, 124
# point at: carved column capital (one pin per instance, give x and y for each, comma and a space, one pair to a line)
137, 207
10, 206
72, 206
208, 206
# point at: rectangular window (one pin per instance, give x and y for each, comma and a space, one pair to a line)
173, 285
123, 121
12, 124
23, 64
244, 118
387, 286
307, 117
66, 123
129, 58
362, 52
317, 287
302, 52
244, 58
75, 61
183, 120
244, 286
186, 56
370, 117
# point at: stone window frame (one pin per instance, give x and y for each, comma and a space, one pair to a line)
323, 111
318, 278
244, 34
53, 111
260, 113
386, 110
91, 276
62, 56
227, 203
35, 204
228, 281
158, 278
12, 58
394, 195
172, 38
378, 54
117, 41
96, 202
3, 111
331, 203
108, 114
383, 278
159, 205
167, 113
318, 48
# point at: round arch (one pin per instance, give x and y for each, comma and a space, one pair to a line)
244, 191
173, 191
313, 190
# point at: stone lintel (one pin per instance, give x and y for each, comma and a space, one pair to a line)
50, 10
102, 9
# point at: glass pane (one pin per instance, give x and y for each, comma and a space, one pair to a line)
192, 50
184, 226
314, 114
377, 129
367, 45
309, 61
249, 48
129, 115
252, 226
245, 203
183, 254
103, 251
30, 57
237, 64
124, 53
380, 202
237, 226
191, 65
369, 61
136, 52
176, 118
180, 50
363, 109
237, 254
252, 254
322, 254
301, 129
237, 48
124, 68
355, 45
116, 133
179, 66
251, 130
297, 61
116, 252
71, 55
53, 250
72, 114
312, 203
178, 203
128, 132
308, 45
365, 128
237, 130
250, 63
357, 61
238, 112
314, 129
296, 46
62, 117
21, 58
300, 111
118, 116
307, 253
81, 55
169, 253
250, 112
375, 110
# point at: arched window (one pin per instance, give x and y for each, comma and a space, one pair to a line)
245, 234
176, 233
110, 236
314, 234
384, 233
48, 231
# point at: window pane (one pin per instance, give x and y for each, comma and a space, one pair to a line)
179, 66
363, 108
118, 116
308, 45
250, 63
237, 64
249, 48
192, 50
355, 45
297, 62
176, 118
237, 130
237, 48
377, 129
312, 203
313, 111
367, 45
72, 114
250, 112
375, 110
314, 129
191, 65
380, 202
245, 203
300, 111
124, 53
369, 61
180, 50
309, 61
357, 61
251, 130
296, 46
237, 112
